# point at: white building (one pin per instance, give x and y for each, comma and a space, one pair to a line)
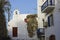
51, 10
17, 28
41, 17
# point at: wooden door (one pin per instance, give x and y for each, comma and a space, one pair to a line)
15, 33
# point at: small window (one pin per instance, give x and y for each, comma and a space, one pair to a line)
50, 20
15, 33
50, 2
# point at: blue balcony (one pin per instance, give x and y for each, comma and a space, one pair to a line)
48, 6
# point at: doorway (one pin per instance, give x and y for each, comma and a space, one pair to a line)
52, 37
14, 32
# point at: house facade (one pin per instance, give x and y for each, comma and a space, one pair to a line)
17, 27
51, 23
41, 17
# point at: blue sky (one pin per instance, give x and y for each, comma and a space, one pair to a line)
24, 6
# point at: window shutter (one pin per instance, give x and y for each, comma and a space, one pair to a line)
50, 2
49, 21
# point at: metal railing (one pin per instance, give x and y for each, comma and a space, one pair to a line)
47, 3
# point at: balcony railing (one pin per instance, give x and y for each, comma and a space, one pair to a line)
48, 6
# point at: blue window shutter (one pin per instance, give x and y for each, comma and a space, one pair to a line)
49, 21
50, 2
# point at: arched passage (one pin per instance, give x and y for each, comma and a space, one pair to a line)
52, 37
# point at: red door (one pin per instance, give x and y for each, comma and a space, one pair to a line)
15, 33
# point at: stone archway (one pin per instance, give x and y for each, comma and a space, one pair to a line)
52, 37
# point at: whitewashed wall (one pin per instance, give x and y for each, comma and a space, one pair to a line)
55, 29
40, 14
18, 21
